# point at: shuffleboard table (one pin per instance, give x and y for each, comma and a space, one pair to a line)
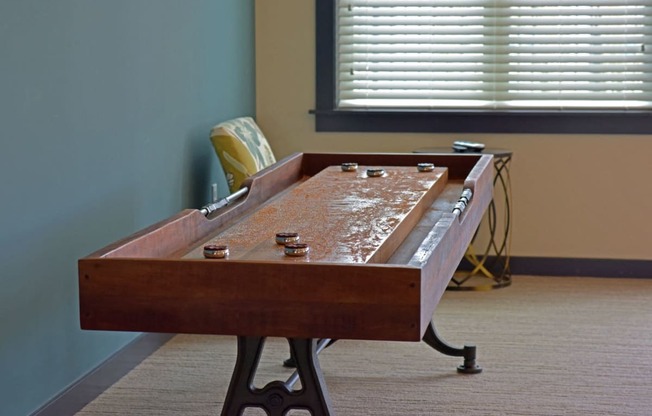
380, 236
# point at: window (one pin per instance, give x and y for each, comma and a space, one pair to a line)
540, 66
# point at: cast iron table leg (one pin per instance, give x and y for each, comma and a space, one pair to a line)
432, 338
323, 343
277, 397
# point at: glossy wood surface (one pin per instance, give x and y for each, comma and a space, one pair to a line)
344, 217
144, 282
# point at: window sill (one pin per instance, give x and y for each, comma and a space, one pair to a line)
545, 122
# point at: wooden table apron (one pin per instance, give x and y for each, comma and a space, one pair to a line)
148, 281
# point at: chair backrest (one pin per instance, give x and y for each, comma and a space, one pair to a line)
242, 149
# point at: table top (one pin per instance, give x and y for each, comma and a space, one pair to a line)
155, 281
344, 217
496, 152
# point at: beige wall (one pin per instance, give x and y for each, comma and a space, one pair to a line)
574, 196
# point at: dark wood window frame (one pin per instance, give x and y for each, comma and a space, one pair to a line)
329, 118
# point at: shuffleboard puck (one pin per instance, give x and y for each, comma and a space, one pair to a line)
296, 250
349, 167
375, 172
214, 251
287, 238
425, 167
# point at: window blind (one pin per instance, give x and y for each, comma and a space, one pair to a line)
494, 54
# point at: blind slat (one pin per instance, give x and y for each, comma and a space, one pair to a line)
576, 47
516, 76
508, 53
378, 41
480, 3
487, 55
499, 21
456, 64
352, 32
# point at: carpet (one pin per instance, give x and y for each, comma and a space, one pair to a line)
548, 346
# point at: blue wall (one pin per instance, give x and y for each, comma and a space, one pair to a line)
105, 110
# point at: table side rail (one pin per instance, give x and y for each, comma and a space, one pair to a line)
316, 300
444, 247
172, 237
160, 239
458, 166
274, 179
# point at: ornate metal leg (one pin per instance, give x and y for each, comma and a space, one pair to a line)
241, 386
277, 397
313, 395
291, 362
432, 338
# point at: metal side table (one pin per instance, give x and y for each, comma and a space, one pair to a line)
492, 260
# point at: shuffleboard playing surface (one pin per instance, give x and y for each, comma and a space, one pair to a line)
345, 217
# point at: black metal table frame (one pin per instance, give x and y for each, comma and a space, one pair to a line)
277, 398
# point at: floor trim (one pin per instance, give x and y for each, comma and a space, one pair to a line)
91, 385
581, 267
546, 266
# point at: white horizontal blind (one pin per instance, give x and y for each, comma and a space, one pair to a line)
494, 54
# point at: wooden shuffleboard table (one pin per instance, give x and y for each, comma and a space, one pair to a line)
379, 238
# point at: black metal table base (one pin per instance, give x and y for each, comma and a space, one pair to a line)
291, 362
277, 398
432, 338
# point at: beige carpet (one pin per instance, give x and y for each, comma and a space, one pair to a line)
548, 346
